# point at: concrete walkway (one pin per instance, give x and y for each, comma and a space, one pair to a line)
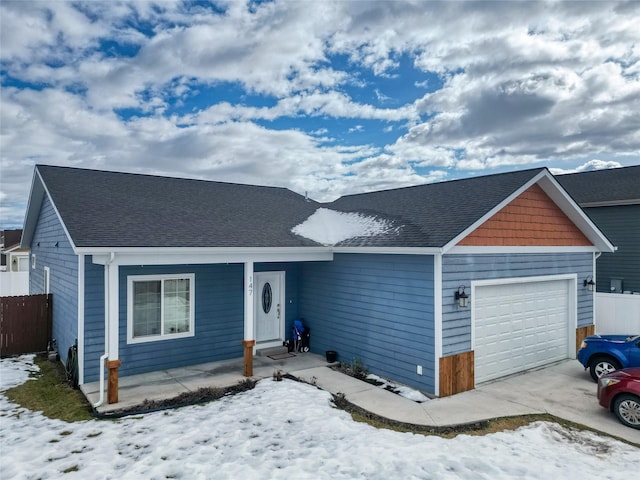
563, 389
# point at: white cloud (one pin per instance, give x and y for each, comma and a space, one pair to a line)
587, 167
553, 83
317, 104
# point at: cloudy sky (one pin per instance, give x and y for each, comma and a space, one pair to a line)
323, 97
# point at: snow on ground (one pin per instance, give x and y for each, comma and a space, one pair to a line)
402, 390
329, 227
285, 430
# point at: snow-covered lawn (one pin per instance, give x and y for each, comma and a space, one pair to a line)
285, 430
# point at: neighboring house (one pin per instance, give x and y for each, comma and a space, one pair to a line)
150, 273
14, 272
611, 198
17, 259
13, 258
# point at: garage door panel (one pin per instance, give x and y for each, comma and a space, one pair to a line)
520, 326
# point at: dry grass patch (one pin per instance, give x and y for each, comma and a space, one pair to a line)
49, 393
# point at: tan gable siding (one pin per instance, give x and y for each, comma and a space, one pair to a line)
531, 219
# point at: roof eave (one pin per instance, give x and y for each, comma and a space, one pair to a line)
34, 205
36, 194
571, 209
454, 241
204, 255
611, 203
561, 198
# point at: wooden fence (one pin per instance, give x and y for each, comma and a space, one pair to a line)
25, 324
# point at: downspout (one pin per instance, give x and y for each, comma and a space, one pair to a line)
100, 401
594, 299
104, 356
437, 320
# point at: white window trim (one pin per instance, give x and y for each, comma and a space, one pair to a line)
162, 336
33, 260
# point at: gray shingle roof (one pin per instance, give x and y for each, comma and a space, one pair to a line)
616, 186
431, 215
108, 209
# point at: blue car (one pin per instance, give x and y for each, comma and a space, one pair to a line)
605, 353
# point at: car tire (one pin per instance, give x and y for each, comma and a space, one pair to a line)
601, 365
627, 409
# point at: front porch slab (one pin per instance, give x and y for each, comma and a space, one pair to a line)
167, 384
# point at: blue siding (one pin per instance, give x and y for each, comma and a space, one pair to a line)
93, 319
219, 321
377, 309
53, 249
462, 269
291, 289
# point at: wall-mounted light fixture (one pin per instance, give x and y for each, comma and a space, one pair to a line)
461, 297
589, 284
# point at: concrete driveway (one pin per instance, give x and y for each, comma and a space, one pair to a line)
563, 389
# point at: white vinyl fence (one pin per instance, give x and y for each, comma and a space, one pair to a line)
617, 313
14, 284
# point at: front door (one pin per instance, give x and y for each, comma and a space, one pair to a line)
269, 308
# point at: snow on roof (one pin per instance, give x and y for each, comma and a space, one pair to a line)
330, 227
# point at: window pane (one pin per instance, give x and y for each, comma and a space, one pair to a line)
176, 305
267, 296
23, 264
146, 308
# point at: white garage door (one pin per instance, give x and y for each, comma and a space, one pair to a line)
519, 326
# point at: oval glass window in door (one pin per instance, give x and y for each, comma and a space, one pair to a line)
267, 296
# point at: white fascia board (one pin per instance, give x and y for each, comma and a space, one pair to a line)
518, 280
14, 248
390, 250
32, 221
36, 193
201, 256
612, 203
571, 209
81, 319
465, 250
559, 196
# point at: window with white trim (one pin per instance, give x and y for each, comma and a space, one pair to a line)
160, 307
